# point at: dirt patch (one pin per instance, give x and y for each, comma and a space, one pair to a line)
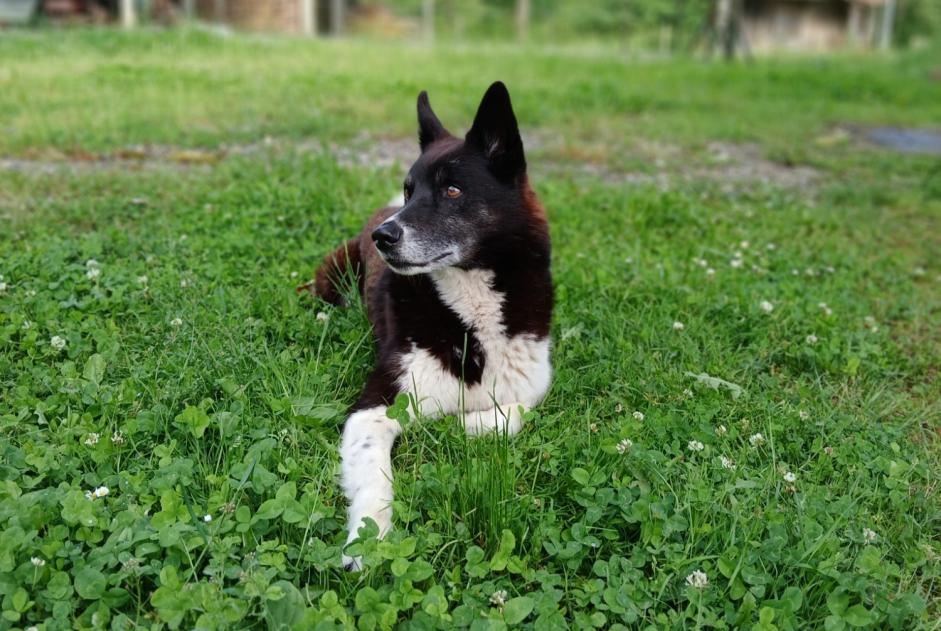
664, 165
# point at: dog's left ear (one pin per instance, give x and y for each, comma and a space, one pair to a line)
496, 133
430, 128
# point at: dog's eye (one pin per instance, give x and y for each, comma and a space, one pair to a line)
405, 192
452, 192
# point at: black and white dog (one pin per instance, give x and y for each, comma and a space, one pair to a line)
458, 290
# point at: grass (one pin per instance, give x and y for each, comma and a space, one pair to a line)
193, 382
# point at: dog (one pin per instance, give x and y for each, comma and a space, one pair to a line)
458, 290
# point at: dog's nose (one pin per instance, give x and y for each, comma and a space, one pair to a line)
387, 235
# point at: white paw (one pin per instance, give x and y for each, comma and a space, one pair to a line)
506, 418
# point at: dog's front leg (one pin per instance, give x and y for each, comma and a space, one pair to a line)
504, 418
366, 471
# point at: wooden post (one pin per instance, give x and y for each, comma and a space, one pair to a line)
428, 19
189, 9
128, 14
522, 19
309, 17
888, 17
336, 17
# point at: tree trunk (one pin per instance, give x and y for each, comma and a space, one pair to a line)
308, 17
523, 9
336, 16
428, 19
128, 14
888, 17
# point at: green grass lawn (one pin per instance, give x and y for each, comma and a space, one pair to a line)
151, 343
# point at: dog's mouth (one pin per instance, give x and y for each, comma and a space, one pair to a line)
400, 265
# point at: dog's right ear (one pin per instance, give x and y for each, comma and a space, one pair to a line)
430, 128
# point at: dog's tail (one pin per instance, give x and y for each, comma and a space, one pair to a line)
340, 270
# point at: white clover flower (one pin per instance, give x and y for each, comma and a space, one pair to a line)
91, 264
89, 495
803, 415
184, 283
499, 597
766, 306
789, 477
830, 269
207, 518
700, 262
294, 274
736, 263
618, 408
721, 430
827, 311
698, 579
624, 446
811, 272
322, 316
744, 245
102, 491
869, 535
811, 339
727, 463
58, 343
142, 280
37, 562
795, 272
710, 272
756, 439
184, 237
678, 326
31, 293
92, 439
3, 286
93, 273
117, 438
638, 415
770, 247
919, 271
687, 393
27, 325
629, 260
870, 323
176, 322
828, 450
695, 445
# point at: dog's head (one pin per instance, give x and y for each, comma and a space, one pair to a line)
459, 193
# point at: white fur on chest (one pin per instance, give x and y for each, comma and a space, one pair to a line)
516, 369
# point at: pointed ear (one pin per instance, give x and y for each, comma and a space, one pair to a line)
430, 128
496, 133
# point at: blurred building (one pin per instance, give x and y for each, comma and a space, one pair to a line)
813, 25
